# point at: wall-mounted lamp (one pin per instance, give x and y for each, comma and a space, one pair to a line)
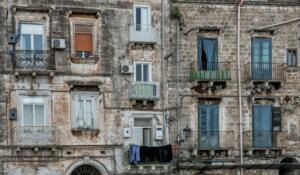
187, 131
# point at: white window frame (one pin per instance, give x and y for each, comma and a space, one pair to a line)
149, 13
75, 97
38, 100
140, 127
32, 32
149, 72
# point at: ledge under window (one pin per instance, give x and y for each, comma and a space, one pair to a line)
89, 60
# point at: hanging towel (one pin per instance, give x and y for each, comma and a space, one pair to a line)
144, 154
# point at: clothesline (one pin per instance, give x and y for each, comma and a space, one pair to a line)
145, 154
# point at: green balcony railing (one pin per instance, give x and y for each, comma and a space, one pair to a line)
211, 71
144, 91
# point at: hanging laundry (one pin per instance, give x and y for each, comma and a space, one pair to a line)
165, 153
134, 154
144, 154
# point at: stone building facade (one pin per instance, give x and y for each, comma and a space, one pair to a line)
82, 80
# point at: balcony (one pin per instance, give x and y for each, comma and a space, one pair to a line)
212, 143
265, 71
213, 71
33, 60
35, 136
264, 142
143, 34
144, 91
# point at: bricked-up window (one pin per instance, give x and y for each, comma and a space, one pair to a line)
84, 110
291, 57
83, 40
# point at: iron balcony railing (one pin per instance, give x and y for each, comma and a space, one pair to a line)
212, 140
144, 91
35, 135
143, 34
211, 71
265, 139
261, 71
34, 59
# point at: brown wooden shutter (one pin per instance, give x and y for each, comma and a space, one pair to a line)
83, 42
83, 38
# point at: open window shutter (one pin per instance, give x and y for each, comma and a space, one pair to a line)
276, 118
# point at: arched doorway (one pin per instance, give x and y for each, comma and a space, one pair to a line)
287, 171
85, 170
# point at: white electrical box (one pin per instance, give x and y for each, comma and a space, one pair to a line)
158, 133
127, 132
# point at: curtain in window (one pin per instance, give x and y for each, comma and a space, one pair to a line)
209, 47
262, 126
27, 115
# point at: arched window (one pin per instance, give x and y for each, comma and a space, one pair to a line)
86, 170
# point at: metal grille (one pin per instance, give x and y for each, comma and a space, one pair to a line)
85, 170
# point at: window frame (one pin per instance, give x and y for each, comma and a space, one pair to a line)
150, 126
149, 72
83, 21
46, 117
135, 6
296, 54
32, 35
74, 119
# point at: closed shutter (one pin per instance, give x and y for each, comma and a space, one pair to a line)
89, 112
276, 118
262, 126
83, 38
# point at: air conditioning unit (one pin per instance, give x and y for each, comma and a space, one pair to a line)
58, 43
126, 68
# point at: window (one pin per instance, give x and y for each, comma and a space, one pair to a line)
262, 126
208, 118
143, 131
142, 17
34, 111
32, 36
261, 66
83, 40
207, 54
84, 110
291, 57
142, 72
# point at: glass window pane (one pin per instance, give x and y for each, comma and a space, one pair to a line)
138, 72
39, 115
26, 42
138, 19
146, 72
146, 136
38, 42
138, 136
28, 115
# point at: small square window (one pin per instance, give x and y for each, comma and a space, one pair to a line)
291, 57
83, 40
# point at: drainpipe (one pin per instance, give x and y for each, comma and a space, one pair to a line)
163, 70
240, 86
177, 87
